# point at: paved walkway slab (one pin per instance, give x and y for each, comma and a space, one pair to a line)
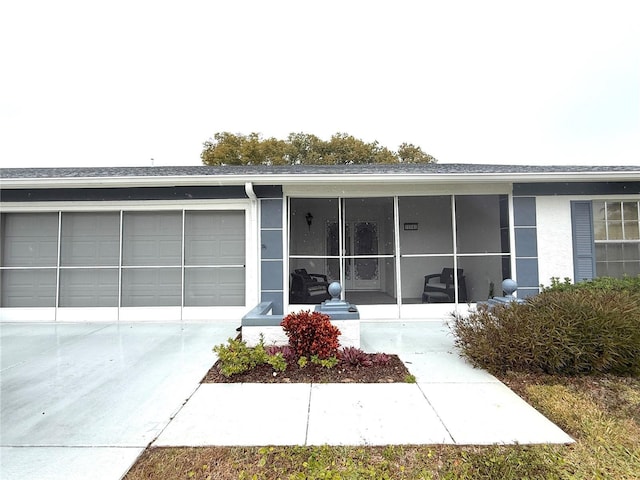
242, 414
372, 414
490, 413
444, 367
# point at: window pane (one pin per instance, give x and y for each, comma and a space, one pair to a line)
631, 252
29, 239
600, 230
425, 225
478, 224
311, 223
615, 230
28, 288
599, 212
151, 287
613, 211
90, 239
89, 288
152, 238
630, 210
214, 238
631, 231
214, 287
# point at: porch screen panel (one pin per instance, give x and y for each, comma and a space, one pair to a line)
214, 287
29, 239
89, 258
483, 276
214, 258
29, 258
369, 246
152, 238
151, 287
89, 287
214, 238
151, 241
426, 244
482, 235
310, 223
415, 269
425, 225
314, 235
479, 224
28, 288
90, 239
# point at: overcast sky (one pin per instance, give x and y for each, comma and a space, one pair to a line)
96, 83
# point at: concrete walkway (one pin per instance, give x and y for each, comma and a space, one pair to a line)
84, 400
451, 403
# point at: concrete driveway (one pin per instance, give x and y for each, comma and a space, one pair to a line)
84, 400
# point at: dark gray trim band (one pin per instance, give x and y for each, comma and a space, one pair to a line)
114, 194
577, 188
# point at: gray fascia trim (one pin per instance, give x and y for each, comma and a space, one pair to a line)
599, 187
315, 179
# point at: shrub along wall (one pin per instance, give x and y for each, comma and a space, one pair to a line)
592, 327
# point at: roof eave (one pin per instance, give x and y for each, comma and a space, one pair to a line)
307, 179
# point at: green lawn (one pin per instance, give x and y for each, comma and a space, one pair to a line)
602, 413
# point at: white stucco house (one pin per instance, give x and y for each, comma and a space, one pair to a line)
205, 243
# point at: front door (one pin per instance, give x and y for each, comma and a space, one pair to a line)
362, 273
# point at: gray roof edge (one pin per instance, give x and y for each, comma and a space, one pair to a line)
279, 173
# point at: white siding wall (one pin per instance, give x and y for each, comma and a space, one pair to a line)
555, 246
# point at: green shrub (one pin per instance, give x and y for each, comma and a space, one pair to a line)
303, 361
600, 284
236, 357
584, 329
329, 362
311, 333
277, 362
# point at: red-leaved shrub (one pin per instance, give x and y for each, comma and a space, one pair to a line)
311, 333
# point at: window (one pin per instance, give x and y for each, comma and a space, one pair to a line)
616, 226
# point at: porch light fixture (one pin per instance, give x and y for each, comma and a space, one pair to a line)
309, 218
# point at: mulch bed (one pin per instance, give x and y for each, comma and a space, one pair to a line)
392, 372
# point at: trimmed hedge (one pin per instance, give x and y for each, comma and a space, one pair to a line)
593, 327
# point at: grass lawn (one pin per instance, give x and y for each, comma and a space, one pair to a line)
602, 413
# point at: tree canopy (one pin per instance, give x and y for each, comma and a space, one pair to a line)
304, 149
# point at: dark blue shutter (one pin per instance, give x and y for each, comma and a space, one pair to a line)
584, 265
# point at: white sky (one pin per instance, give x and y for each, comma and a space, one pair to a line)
97, 83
